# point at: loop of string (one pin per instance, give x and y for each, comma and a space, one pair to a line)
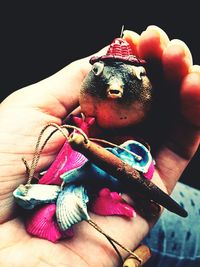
138, 157
112, 240
38, 149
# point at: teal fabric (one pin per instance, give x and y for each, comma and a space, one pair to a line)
175, 241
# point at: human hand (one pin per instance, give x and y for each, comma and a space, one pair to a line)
27, 111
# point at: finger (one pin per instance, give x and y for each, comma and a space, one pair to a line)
183, 140
133, 39
152, 43
177, 60
190, 96
194, 68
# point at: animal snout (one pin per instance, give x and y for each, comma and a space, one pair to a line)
115, 91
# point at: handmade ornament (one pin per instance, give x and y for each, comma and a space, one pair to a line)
89, 174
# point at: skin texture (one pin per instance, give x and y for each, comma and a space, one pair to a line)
24, 113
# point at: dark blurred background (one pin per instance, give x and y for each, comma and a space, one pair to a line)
38, 38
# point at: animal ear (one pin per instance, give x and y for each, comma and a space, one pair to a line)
139, 72
97, 68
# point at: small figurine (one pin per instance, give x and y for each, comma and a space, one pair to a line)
85, 176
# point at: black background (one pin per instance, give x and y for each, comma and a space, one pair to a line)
38, 38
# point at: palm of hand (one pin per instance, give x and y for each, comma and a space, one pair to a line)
33, 107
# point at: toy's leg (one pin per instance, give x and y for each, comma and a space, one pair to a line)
175, 241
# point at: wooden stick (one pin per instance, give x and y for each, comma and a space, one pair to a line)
131, 179
143, 252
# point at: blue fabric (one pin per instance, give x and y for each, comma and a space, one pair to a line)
175, 241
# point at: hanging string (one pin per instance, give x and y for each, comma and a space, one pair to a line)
138, 157
93, 224
26, 166
38, 149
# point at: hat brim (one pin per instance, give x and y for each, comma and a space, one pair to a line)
133, 60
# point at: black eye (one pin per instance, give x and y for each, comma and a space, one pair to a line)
98, 68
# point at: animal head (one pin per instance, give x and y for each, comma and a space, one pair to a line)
117, 85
